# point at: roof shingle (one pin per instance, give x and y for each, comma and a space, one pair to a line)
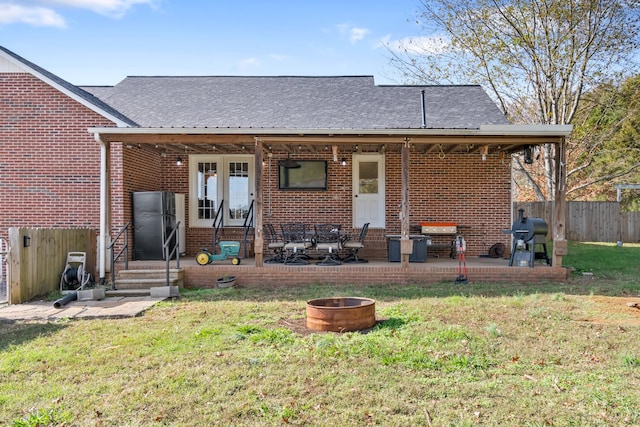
287, 102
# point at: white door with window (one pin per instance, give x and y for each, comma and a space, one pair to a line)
213, 179
368, 190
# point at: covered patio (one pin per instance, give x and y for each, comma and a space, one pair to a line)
495, 142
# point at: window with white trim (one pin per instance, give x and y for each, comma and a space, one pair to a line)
214, 179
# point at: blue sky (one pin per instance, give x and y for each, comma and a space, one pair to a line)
100, 42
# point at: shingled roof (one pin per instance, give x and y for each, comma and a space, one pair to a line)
287, 102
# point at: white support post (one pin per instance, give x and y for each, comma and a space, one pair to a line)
102, 247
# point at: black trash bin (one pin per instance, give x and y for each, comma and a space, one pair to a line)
419, 253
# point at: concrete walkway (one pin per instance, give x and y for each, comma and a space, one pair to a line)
110, 308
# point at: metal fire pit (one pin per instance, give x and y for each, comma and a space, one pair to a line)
341, 314
527, 233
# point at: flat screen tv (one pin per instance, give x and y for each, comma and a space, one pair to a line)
309, 175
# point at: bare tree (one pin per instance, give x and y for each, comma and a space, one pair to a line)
536, 57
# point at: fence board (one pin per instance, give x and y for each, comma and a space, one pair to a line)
36, 268
589, 221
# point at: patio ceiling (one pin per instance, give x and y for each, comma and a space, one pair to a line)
491, 139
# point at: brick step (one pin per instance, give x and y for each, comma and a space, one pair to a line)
144, 283
146, 279
128, 293
151, 274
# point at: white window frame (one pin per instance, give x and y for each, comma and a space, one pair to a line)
223, 187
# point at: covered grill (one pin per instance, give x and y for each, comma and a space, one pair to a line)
527, 233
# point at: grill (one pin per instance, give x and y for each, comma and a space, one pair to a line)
527, 233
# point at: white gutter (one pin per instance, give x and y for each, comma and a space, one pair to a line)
484, 130
102, 247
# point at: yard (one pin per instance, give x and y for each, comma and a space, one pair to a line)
444, 354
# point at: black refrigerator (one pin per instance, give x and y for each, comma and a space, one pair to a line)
154, 217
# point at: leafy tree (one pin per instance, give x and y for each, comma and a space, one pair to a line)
536, 57
608, 126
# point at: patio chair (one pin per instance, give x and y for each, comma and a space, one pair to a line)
274, 243
296, 242
327, 238
354, 245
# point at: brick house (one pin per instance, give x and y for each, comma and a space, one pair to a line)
72, 156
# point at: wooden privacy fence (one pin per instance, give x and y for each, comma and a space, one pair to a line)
588, 221
38, 257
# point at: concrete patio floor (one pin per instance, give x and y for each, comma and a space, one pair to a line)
109, 307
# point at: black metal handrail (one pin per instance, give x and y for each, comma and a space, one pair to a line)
168, 252
218, 224
248, 223
125, 250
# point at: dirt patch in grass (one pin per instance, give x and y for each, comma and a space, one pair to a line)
299, 326
615, 310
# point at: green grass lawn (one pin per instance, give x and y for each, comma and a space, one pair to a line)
446, 354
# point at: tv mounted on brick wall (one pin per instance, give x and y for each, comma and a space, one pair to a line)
302, 174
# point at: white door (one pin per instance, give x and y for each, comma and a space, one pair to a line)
368, 190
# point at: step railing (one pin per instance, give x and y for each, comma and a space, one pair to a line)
218, 225
248, 224
170, 251
124, 233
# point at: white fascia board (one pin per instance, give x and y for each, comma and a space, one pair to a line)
527, 130
485, 130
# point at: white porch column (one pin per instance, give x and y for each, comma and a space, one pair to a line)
102, 247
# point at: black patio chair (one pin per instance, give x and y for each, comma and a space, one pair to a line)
296, 242
327, 238
275, 243
354, 245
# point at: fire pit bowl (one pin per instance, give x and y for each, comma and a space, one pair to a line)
341, 314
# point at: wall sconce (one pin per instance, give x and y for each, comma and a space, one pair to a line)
179, 161
344, 161
26, 241
528, 155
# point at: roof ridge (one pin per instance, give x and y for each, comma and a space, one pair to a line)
256, 77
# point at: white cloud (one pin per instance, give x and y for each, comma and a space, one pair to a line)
420, 45
115, 8
355, 34
45, 13
36, 16
248, 63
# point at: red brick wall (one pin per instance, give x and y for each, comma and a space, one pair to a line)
459, 187
49, 163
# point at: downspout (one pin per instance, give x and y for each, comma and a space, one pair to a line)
424, 109
102, 247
